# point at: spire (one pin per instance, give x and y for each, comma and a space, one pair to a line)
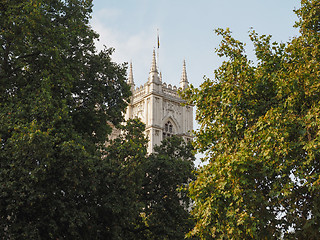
130, 77
154, 74
184, 80
154, 64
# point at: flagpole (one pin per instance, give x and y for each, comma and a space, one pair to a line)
158, 46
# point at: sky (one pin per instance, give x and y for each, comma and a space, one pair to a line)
186, 32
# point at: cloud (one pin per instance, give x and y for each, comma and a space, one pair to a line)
108, 13
136, 47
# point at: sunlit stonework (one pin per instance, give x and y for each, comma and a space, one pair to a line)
160, 107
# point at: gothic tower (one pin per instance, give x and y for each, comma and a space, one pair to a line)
160, 107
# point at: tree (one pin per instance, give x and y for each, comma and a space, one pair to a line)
137, 195
259, 129
168, 169
119, 184
56, 96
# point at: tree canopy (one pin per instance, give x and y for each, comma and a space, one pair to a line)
57, 94
259, 130
141, 196
59, 97
119, 180
167, 172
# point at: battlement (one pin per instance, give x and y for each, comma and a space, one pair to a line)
140, 91
163, 90
170, 90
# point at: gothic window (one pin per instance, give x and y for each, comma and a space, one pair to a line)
168, 130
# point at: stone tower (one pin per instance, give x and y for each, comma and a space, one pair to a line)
159, 106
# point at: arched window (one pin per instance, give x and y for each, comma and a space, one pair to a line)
168, 130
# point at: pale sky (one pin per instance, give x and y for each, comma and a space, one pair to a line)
186, 30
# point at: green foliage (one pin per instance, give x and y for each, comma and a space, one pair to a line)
168, 170
119, 183
259, 128
139, 196
56, 96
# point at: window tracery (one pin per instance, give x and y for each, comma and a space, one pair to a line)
168, 130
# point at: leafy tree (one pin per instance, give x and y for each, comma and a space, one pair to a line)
137, 195
168, 169
119, 184
56, 96
259, 129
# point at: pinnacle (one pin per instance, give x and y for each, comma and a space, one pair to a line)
130, 77
154, 64
184, 79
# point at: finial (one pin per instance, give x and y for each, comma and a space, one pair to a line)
184, 79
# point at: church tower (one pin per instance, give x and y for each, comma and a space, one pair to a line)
160, 107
